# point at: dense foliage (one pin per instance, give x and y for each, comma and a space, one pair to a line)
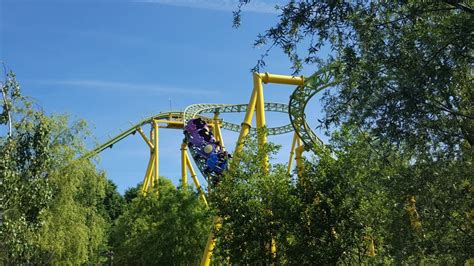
166, 227
49, 201
352, 210
401, 180
406, 66
397, 189
254, 207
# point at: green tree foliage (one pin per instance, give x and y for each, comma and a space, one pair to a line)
49, 200
364, 195
166, 227
254, 207
403, 114
113, 203
406, 66
132, 193
343, 206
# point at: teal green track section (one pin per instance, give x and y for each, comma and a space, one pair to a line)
319, 81
194, 111
132, 130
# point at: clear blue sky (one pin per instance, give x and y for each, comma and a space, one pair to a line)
115, 62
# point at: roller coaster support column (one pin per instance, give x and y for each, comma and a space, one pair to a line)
261, 119
151, 162
217, 130
211, 243
246, 124
292, 152
155, 153
184, 173
196, 181
299, 158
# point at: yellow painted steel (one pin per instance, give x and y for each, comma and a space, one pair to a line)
156, 154
246, 124
217, 130
292, 152
175, 124
371, 249
282, 79
170, 122
260, 116
184, 173
413, 214
299, 160
152, 138
148, 176
211, 243
139, 129
273, 249
195, 179
149, 169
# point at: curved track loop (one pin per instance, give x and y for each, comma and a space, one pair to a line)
196, 110
300, 97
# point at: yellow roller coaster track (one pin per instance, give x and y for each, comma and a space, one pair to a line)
304, 138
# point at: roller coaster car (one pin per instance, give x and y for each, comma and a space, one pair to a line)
205, 146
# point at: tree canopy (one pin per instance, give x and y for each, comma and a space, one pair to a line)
49, 200
405, 66
165, 226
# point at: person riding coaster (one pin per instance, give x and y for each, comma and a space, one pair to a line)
197, 132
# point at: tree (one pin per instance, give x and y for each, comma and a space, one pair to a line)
406, 67
132, 192
255, 207
364, 195
349, 208
49, 200
113, 203
404, 73
167, 226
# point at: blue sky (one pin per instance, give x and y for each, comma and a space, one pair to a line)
116, 62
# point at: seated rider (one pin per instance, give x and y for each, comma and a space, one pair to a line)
205, 134
199, 123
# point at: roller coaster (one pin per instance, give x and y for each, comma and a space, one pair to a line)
203, 138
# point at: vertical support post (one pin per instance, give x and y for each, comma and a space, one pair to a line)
246, 124
261, 120
217, 130
371, 249
184, 173
211, 243
195, 179
299, 161
149, 169
151, 181
262, 136
155, 153
413, 214
292, 152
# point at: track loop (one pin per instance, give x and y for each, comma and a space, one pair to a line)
300, 97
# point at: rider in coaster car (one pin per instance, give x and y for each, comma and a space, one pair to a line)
205, 134
212, 161
199, 123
